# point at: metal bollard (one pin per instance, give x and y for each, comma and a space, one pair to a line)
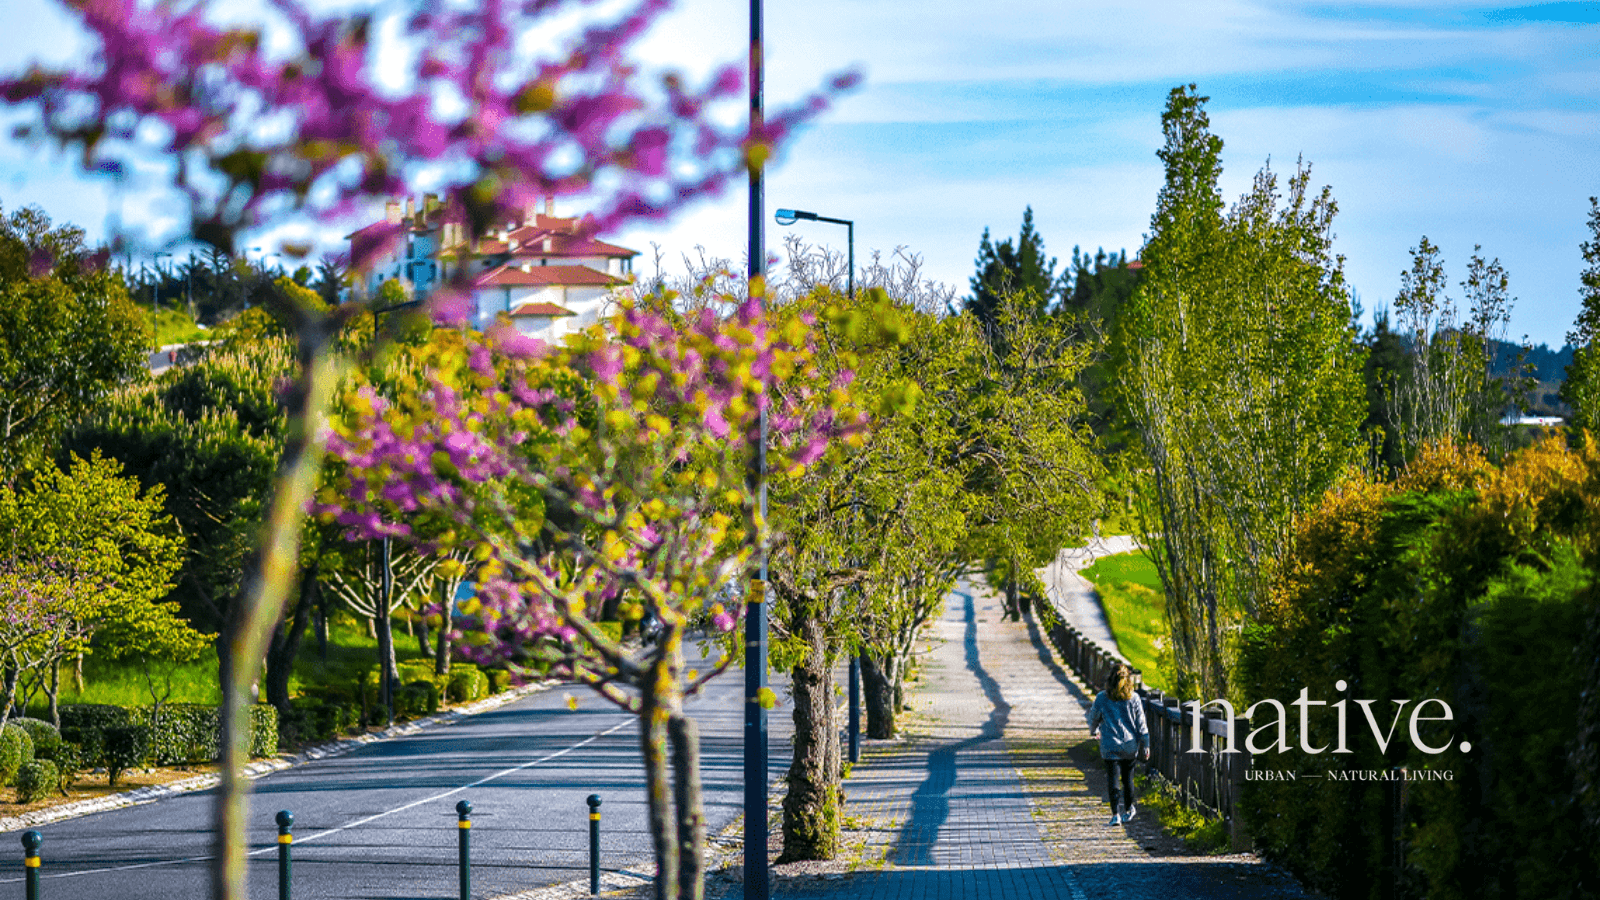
594, 844
30, 849
464, 828
285, 841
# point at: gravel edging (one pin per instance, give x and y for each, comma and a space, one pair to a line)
262, 768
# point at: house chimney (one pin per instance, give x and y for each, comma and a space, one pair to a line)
409, 211
549, 205
391, 212
549, 244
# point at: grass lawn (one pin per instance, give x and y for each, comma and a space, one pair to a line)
1130, 590
175, 327
351, 654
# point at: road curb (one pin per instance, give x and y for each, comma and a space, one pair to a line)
262, 768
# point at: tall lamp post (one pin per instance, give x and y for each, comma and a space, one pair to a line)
789, 217
756, 886
385, 574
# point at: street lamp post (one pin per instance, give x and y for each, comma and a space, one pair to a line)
385, 573
789, 217
755, 622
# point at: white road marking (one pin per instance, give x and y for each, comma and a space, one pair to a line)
356, 824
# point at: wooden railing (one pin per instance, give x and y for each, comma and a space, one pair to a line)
1211, 778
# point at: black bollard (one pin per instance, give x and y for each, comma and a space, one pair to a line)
594, 843
285, 841
30, 849
464, 828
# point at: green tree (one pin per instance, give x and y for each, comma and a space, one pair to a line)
1242, 378
1020, 268
68, 334
99, 546
1581, 390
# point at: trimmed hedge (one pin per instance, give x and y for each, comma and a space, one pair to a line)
183, 732
84, 724
126, 746
46, 739
466, 683
16, 751
36, 779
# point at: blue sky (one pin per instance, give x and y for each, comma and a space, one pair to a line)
1468, 123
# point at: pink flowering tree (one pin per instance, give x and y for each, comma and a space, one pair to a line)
290, 117
604, 477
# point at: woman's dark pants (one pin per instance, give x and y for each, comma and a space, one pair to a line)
1123, 769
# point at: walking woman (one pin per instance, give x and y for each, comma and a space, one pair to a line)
1118, 716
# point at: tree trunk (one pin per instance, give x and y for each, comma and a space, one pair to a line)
653, 719
877, 682
811, 806
286, 638
424, 638
55, 695
1013, 604
322, 626
441, 652
685, 735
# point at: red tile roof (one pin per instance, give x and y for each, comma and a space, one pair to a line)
540, 276
541, 309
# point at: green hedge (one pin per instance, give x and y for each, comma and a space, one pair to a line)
46, 739
16, 751
181, 733
36, 780
126, 747
1466, 584
467, 683
84, 724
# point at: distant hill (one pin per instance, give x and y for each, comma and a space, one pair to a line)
1549, 368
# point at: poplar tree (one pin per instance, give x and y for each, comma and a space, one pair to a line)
1242, 379
1582, 387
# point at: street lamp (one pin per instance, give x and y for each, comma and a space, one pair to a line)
386, 573
789, 217
756, 886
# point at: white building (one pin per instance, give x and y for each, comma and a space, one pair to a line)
541, 272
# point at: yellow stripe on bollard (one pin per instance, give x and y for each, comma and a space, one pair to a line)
285, 838
594, 817
464, 824
31, 862
758, 591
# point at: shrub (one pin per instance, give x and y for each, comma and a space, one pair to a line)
84, 724
263, 730
69, 762
466, 684
36, 779
16, 750
127, 746
182, 733
46, 739
419, 698
499, 680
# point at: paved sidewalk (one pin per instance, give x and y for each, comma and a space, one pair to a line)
982, 802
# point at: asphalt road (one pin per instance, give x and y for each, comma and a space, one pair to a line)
380, 822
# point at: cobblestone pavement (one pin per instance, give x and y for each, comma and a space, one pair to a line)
984, 801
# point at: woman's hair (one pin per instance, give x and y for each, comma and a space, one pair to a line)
1119, 684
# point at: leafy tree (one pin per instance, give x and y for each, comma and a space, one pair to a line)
98, 549
530, 125
1241, 376
1449, 389
1006, 268
1582, 387
610, 471
68, 334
